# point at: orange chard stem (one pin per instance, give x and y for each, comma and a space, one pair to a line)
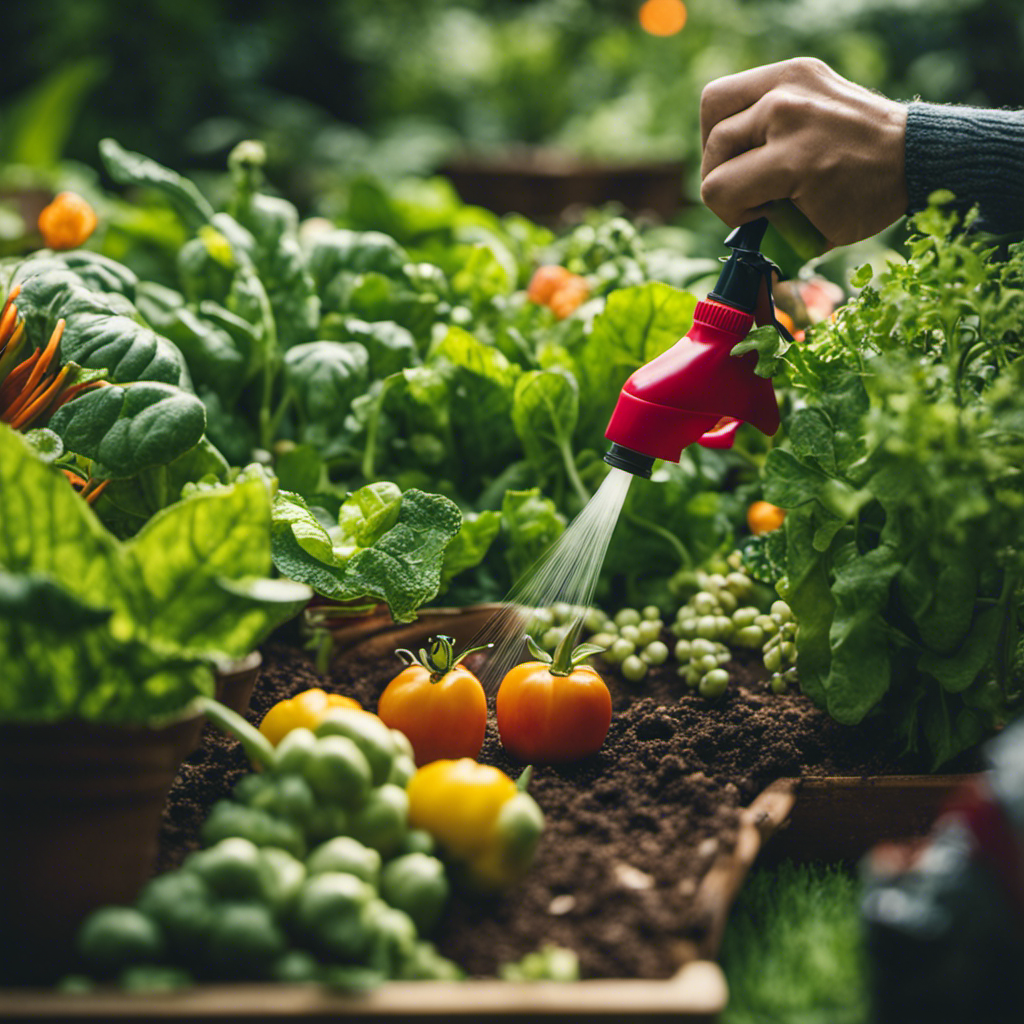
9, 355
42, 399
7, 321
11, 388
78, 389
42, 364
91, 496
14, 293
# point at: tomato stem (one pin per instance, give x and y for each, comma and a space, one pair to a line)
438, 658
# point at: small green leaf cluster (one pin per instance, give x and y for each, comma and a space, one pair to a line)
309, 872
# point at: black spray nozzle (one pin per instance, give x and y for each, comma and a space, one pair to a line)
746, 271
621, 457
740, 281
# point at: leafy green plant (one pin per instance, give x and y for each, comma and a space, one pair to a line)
902, 554
105, 630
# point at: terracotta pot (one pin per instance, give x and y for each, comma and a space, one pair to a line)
80, 805
236, 680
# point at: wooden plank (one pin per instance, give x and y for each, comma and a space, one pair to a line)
697, 994
839, 818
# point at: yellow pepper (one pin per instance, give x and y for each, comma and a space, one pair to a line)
479, 817
305, 710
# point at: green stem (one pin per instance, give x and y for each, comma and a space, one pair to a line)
369, 467
676, 544
571, 471
256, 746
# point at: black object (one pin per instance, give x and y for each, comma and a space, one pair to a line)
621, 457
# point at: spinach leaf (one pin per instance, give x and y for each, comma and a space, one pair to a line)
129, 429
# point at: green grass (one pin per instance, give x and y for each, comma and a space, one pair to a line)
793, 951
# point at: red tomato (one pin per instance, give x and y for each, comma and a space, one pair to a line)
438, 704
545, 717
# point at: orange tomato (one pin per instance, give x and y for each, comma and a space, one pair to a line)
438, 703
763, 517
67, 222
304, 710
545, 282
569, 297
545, 716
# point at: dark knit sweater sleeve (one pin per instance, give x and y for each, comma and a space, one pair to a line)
976, 153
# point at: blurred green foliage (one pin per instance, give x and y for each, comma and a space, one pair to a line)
344, 86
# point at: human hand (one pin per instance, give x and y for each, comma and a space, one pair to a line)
797, 130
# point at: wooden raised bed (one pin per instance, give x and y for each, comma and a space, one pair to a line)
830, 818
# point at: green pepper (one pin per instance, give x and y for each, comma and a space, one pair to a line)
343, 853
113, 938
418, 840
244, 940
293, 751
338, 770
296, 966
181, 903
329, 913
282, 876
383, 820
417, 884
392, 937
228, 819
368, 732
424, 963
232, 868
327, 821
403, 768
287, 796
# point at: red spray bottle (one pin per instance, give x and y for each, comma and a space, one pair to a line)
697, 391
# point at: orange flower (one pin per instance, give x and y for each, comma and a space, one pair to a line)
67, 222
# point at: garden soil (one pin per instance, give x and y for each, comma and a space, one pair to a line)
630, 831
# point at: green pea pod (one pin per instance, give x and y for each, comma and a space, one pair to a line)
338, 770
343, 853
383, 820
329, 912
417, 884
181, 904
370, 735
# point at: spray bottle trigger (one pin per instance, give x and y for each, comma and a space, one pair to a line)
765, 311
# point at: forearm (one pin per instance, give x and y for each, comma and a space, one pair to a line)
975, 153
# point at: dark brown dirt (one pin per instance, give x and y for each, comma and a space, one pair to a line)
630, 831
